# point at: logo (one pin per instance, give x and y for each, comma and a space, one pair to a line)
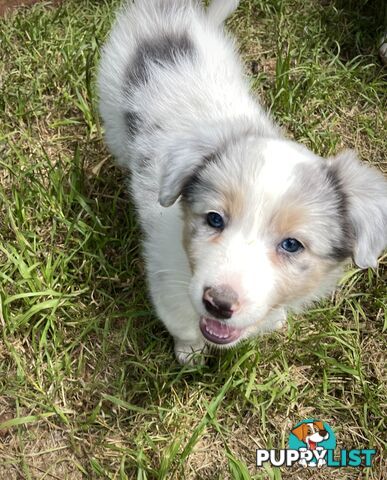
315, 436
312, 444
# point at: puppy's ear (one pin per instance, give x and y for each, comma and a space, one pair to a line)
365, 190
180, 163
182, 155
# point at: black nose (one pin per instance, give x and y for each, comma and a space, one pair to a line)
322, 432
220, 302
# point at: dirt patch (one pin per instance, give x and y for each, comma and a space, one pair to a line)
44, 451
7, 5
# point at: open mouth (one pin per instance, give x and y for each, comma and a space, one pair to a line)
312, 445
218, 332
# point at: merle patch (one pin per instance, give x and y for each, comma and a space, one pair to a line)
162, 51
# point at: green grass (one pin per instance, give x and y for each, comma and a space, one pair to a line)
88, 384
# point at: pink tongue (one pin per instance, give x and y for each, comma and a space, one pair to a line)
219, 329
218, 332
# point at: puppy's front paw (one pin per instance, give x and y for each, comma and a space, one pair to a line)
280, 320
190, 354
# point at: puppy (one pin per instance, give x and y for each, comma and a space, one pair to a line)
240, 224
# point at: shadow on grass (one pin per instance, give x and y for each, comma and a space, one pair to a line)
355, 25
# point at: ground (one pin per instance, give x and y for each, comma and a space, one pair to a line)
89, 387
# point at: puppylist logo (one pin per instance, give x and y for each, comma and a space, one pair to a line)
312, 443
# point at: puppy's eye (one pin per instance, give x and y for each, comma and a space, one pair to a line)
215, 220
291, 245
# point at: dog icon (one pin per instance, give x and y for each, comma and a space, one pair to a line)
311, 433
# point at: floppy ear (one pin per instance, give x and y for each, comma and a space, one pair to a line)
182, 158
365, 190
183, 154
301, 432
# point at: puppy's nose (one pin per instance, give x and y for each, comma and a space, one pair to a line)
221, 302
322, 432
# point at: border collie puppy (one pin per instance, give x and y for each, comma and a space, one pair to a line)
240, 224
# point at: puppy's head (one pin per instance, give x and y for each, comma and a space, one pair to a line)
311, 433
268, 226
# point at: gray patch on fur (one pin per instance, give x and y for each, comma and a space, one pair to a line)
166, 50
132, 121
342, 249
197, 183
144, 162
322, 187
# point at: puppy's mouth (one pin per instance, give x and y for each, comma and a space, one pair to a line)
218, 332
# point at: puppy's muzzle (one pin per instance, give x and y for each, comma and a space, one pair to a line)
221, 301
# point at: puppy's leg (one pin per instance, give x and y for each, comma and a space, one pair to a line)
170, 298
280, 319
275, 320
188, 353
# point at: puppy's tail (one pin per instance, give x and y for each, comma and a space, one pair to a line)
220, 10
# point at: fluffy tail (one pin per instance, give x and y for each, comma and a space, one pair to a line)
220, 10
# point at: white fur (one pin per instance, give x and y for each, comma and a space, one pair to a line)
190, 109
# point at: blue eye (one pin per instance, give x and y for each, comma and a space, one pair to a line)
291, 245
215, 220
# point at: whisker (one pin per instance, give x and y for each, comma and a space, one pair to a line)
179, 272
176, 282
177, 295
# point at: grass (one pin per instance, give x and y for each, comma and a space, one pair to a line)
88, 384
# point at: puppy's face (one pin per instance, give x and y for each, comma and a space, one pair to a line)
262, 231
267, 226
311, 433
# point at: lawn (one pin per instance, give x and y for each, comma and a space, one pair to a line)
89, 387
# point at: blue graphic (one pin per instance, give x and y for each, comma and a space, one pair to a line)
314, 435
